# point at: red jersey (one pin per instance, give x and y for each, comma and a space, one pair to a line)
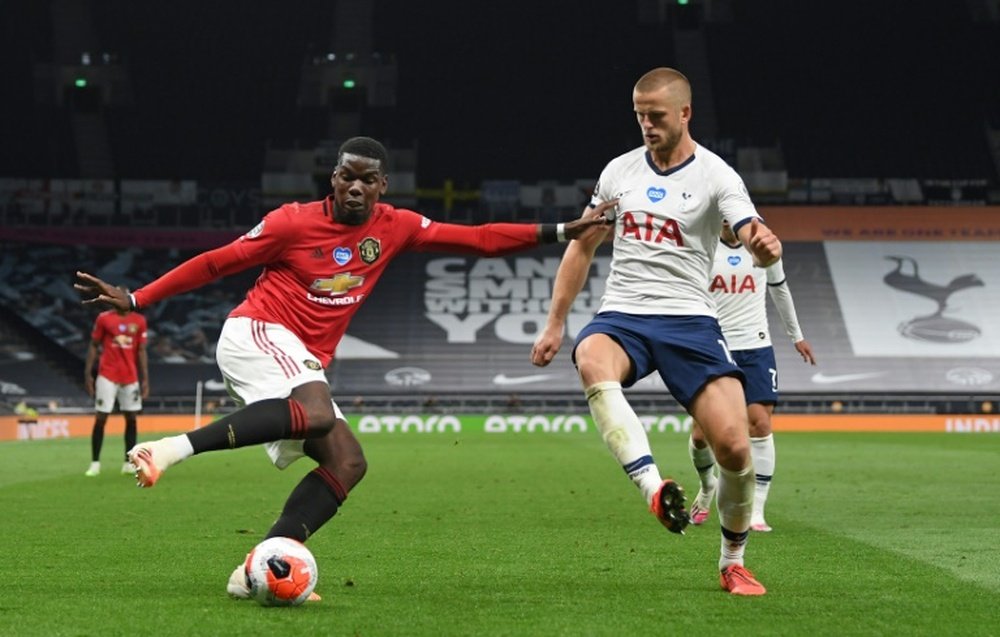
318, 272
120, 337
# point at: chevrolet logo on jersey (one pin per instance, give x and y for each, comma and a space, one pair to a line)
338, 285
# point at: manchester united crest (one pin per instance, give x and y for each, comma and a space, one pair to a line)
370, 249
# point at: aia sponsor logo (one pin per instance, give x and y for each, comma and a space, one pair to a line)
651, 228
731, 284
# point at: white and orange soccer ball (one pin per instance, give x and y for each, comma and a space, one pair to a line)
280, 572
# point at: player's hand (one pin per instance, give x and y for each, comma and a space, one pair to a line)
88, 384
97, 291
547, 345
144, 388
805, 350
596, 217
763, 244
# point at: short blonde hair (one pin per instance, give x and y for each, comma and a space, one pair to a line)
664, 77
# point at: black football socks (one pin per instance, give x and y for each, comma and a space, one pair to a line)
260, 422
311, 504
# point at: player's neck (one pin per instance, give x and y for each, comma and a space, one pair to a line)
669, 158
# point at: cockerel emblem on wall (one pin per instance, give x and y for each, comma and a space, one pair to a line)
934, 327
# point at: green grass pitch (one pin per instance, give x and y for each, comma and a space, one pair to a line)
509, 534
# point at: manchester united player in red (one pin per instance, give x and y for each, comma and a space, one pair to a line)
321, 261
122, 376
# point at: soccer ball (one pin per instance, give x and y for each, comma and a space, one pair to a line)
280, 572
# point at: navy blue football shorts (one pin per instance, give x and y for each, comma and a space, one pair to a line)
687, 351
761, 372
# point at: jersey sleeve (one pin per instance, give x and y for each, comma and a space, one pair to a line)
775, 273
491, 239
603, 189
781, 295
734, 201
263, 244
143, 328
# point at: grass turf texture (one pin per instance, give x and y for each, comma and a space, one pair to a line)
512, 534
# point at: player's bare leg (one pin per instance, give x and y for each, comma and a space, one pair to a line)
762, 451
603, 365
720, 410
704, 463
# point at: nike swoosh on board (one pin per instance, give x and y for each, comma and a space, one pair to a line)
822, 379
214, 385
503, 379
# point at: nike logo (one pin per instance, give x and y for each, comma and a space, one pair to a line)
822, 379
503, 379
215, 385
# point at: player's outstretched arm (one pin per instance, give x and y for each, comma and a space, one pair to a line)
570, 277
96, 291
189, 275
761, 242
497, 239
592, 224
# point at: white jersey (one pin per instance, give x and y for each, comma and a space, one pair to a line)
738, 286
667, 229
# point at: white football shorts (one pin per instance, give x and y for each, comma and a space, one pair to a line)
261, 360
106, 392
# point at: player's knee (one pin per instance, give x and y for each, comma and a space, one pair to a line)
760, 427
732, 452
320, 418
355, 464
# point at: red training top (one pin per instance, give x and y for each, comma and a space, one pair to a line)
318, 272
120, 337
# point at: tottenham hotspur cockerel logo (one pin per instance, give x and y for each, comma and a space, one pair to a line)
934, 327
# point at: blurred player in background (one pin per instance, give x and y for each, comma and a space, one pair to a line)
321, 260
657, 315
737, 286
119, 340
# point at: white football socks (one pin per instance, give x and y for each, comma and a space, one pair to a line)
182, 447
704, 464
624, 436
762, 452
735, 498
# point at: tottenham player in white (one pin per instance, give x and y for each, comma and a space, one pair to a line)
737, 286
657, 315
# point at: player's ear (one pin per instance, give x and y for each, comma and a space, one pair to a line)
686, 114
384, 185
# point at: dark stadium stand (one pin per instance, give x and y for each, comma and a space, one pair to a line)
824, 80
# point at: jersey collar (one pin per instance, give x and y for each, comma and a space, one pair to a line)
668, 171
